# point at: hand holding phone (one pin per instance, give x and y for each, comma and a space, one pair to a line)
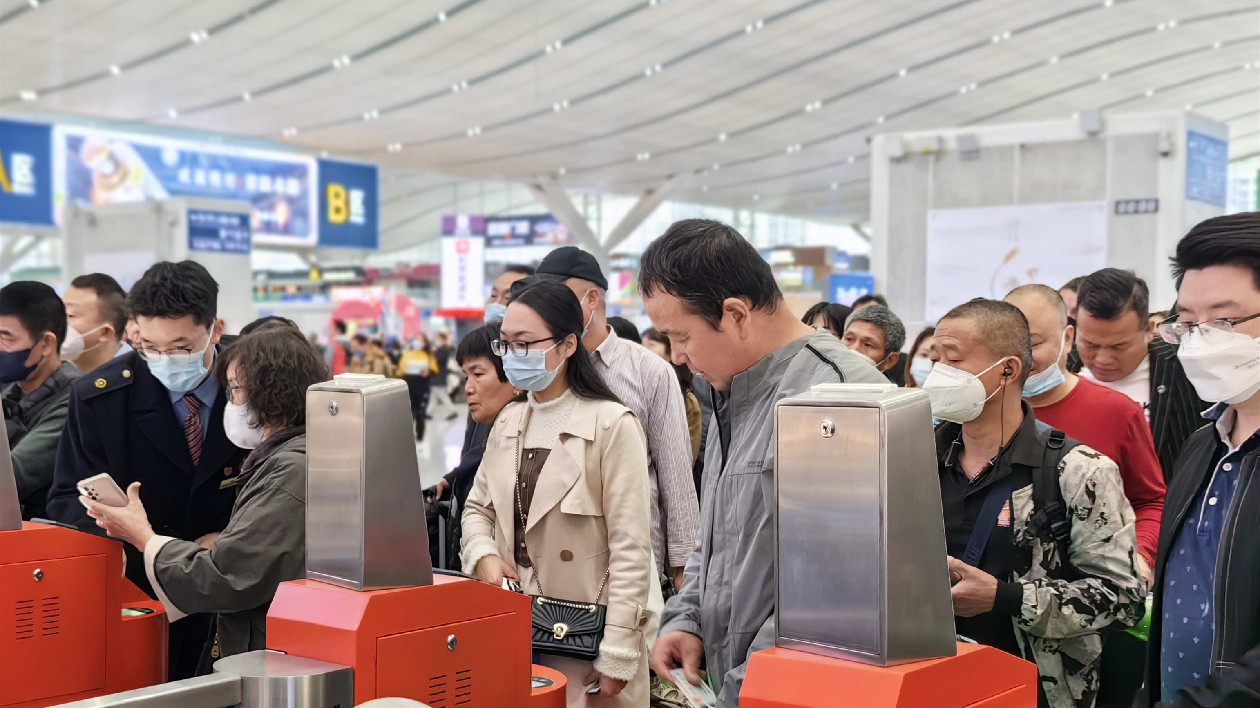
103, 489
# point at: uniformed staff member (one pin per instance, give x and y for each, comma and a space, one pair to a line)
155, 416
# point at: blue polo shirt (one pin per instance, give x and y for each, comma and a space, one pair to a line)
1190, 570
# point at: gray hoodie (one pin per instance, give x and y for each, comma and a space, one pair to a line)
728, 589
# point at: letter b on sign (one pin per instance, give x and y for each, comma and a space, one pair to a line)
338, 204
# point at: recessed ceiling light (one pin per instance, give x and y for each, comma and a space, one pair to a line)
996, 38
323, 153
753, 27
474, 131
198, 36
1104, 77
115, 69
903, 73
371, 115
33, 3
756, 197
28, 95
341, 61
852, 159
835, 185
247, 97
289, 132
721, 137
643, 156
704, 188
1172, 24
1006, 35
1108, 3
1150, 92
1054, 59
172, 113
1189, 106
717, 166
1161, 27
880, 119
561, 171
441, 17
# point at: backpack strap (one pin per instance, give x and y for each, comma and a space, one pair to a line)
1050, 513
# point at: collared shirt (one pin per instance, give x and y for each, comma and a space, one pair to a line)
206, 391
1190, 571
123, 350
961, 501
648, 386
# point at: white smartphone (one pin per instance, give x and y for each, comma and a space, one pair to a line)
102, 488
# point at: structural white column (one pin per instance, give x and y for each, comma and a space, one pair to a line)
550, 194
642, 209
15, 249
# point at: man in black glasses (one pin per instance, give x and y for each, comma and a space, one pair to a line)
155, 416
1204, 647
1119, 351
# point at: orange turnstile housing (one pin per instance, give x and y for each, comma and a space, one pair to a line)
978, 677
63, 636
457, 642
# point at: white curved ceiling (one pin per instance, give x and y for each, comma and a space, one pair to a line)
766, 104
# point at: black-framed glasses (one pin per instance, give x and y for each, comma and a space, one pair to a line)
1174, 332
501, 348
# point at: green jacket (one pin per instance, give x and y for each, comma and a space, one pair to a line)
33, 423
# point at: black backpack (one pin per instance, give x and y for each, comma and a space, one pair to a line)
1050, 513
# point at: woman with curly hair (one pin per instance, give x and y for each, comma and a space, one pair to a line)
235, 574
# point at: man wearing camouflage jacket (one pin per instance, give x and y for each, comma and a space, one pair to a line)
1040, 536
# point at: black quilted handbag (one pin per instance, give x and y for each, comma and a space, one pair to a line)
563, 628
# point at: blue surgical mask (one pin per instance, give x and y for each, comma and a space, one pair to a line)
1044, 381
495, 312
179, 373
529, 372
920, 367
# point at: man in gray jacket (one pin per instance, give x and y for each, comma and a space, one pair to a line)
709, 291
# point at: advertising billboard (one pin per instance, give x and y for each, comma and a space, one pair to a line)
99, 167
526, 230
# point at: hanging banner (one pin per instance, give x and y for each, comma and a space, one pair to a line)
463, 266
26, 174
348, 205
1207, 168
104, 167
526, 230
218, 232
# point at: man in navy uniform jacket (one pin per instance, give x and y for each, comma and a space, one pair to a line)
155, 416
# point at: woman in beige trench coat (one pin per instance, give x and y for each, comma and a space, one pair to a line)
560, 501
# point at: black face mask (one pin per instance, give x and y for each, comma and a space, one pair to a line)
13, 366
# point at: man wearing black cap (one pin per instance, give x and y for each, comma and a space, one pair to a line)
647, 385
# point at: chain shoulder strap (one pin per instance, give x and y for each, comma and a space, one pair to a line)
516, 485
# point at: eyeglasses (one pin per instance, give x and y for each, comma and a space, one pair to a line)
178, 355
1174, 332
501, 348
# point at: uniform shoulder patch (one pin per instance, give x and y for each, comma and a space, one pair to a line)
110, 376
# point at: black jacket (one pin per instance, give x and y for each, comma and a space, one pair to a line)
1176, 410
121, 421
1235, 678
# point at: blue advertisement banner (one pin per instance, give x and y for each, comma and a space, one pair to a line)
26, 194
218, 231
1207, 168
348, 205
844, 288
103, 167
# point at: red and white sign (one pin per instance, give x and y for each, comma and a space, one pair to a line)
463, 272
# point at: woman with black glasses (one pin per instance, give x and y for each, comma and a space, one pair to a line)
560, 502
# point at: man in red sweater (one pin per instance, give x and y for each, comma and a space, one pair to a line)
1111, 423
1106, 420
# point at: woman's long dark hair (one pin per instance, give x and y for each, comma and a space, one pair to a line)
558, 307
683, 373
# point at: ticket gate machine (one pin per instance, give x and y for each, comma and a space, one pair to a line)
371, 620
863, 614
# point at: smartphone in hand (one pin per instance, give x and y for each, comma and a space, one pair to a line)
102, 488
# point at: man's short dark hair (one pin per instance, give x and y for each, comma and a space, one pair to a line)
111, 299
340, 326
37, 307
868, 299
262, 324
361, 339
1222, 240
1074, 285
519, 268
625, 329
887, 321
1109, 293
477, 344
174, 290
702, 263
1003, 328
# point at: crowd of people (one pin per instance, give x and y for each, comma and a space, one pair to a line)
1095, 462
